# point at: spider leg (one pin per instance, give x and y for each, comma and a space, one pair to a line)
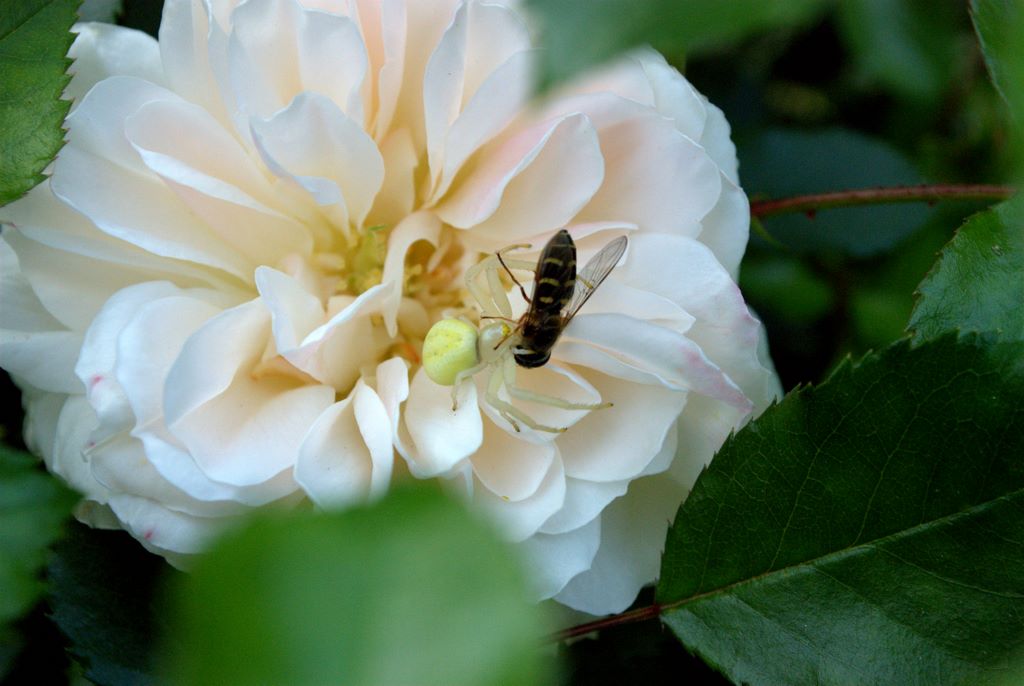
511, 413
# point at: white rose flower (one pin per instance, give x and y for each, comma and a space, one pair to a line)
218, 301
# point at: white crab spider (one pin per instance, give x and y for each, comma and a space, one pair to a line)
454, 350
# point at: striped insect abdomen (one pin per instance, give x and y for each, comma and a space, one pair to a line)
553, 287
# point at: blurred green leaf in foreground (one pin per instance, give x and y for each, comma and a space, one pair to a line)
412, 590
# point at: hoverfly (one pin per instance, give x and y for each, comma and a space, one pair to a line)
455, 350
558, 294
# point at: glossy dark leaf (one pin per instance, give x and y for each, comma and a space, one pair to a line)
104, 600
869, 530
978, 282
34, 39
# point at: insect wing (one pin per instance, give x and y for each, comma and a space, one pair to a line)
592, 275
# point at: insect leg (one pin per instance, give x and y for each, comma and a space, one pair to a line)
512, 276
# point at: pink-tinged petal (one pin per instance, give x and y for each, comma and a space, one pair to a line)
424, 25
122, 466
214, 178
440, 438
277, 49
334, 465
314, 144
623, 77
393, 389
174, 463
632, 537
140, 210
158, 527
614, 296
23, 311
656, 178
509, 467
554, 560
618, 442
334, 352
670, 358
724, 329
376, 428
387, 56
294, 311
104, 50
44, 359
98, 357
520, 519
496, 104
726, 227
74, 303
76, 422
674, 97
536, 181
42, 411
397, 194
477, 81
97, 124
149, 344
421, 226
69, 243
443, 81
239, 429
584, 501
346, 456
703, 428
192, 46
717, 141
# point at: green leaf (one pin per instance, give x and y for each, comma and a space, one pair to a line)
582, 33
779, 163
867, 531
978, 282
409, 591
33, 509
908, 46
34, 39
103, 597
1000, 28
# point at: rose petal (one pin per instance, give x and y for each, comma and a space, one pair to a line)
509, 467
215, 178
162, 528
632, 537
619, 442
305, 142
239, 430
518, 520
536, 181
656, 178
277, 49
346, 456
554, 560
76, 422
439, 437
584, 501
294, 311
104, 50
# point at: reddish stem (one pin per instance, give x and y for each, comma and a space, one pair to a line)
874, 196
638, 615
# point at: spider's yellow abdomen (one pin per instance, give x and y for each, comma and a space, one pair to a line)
449, 348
